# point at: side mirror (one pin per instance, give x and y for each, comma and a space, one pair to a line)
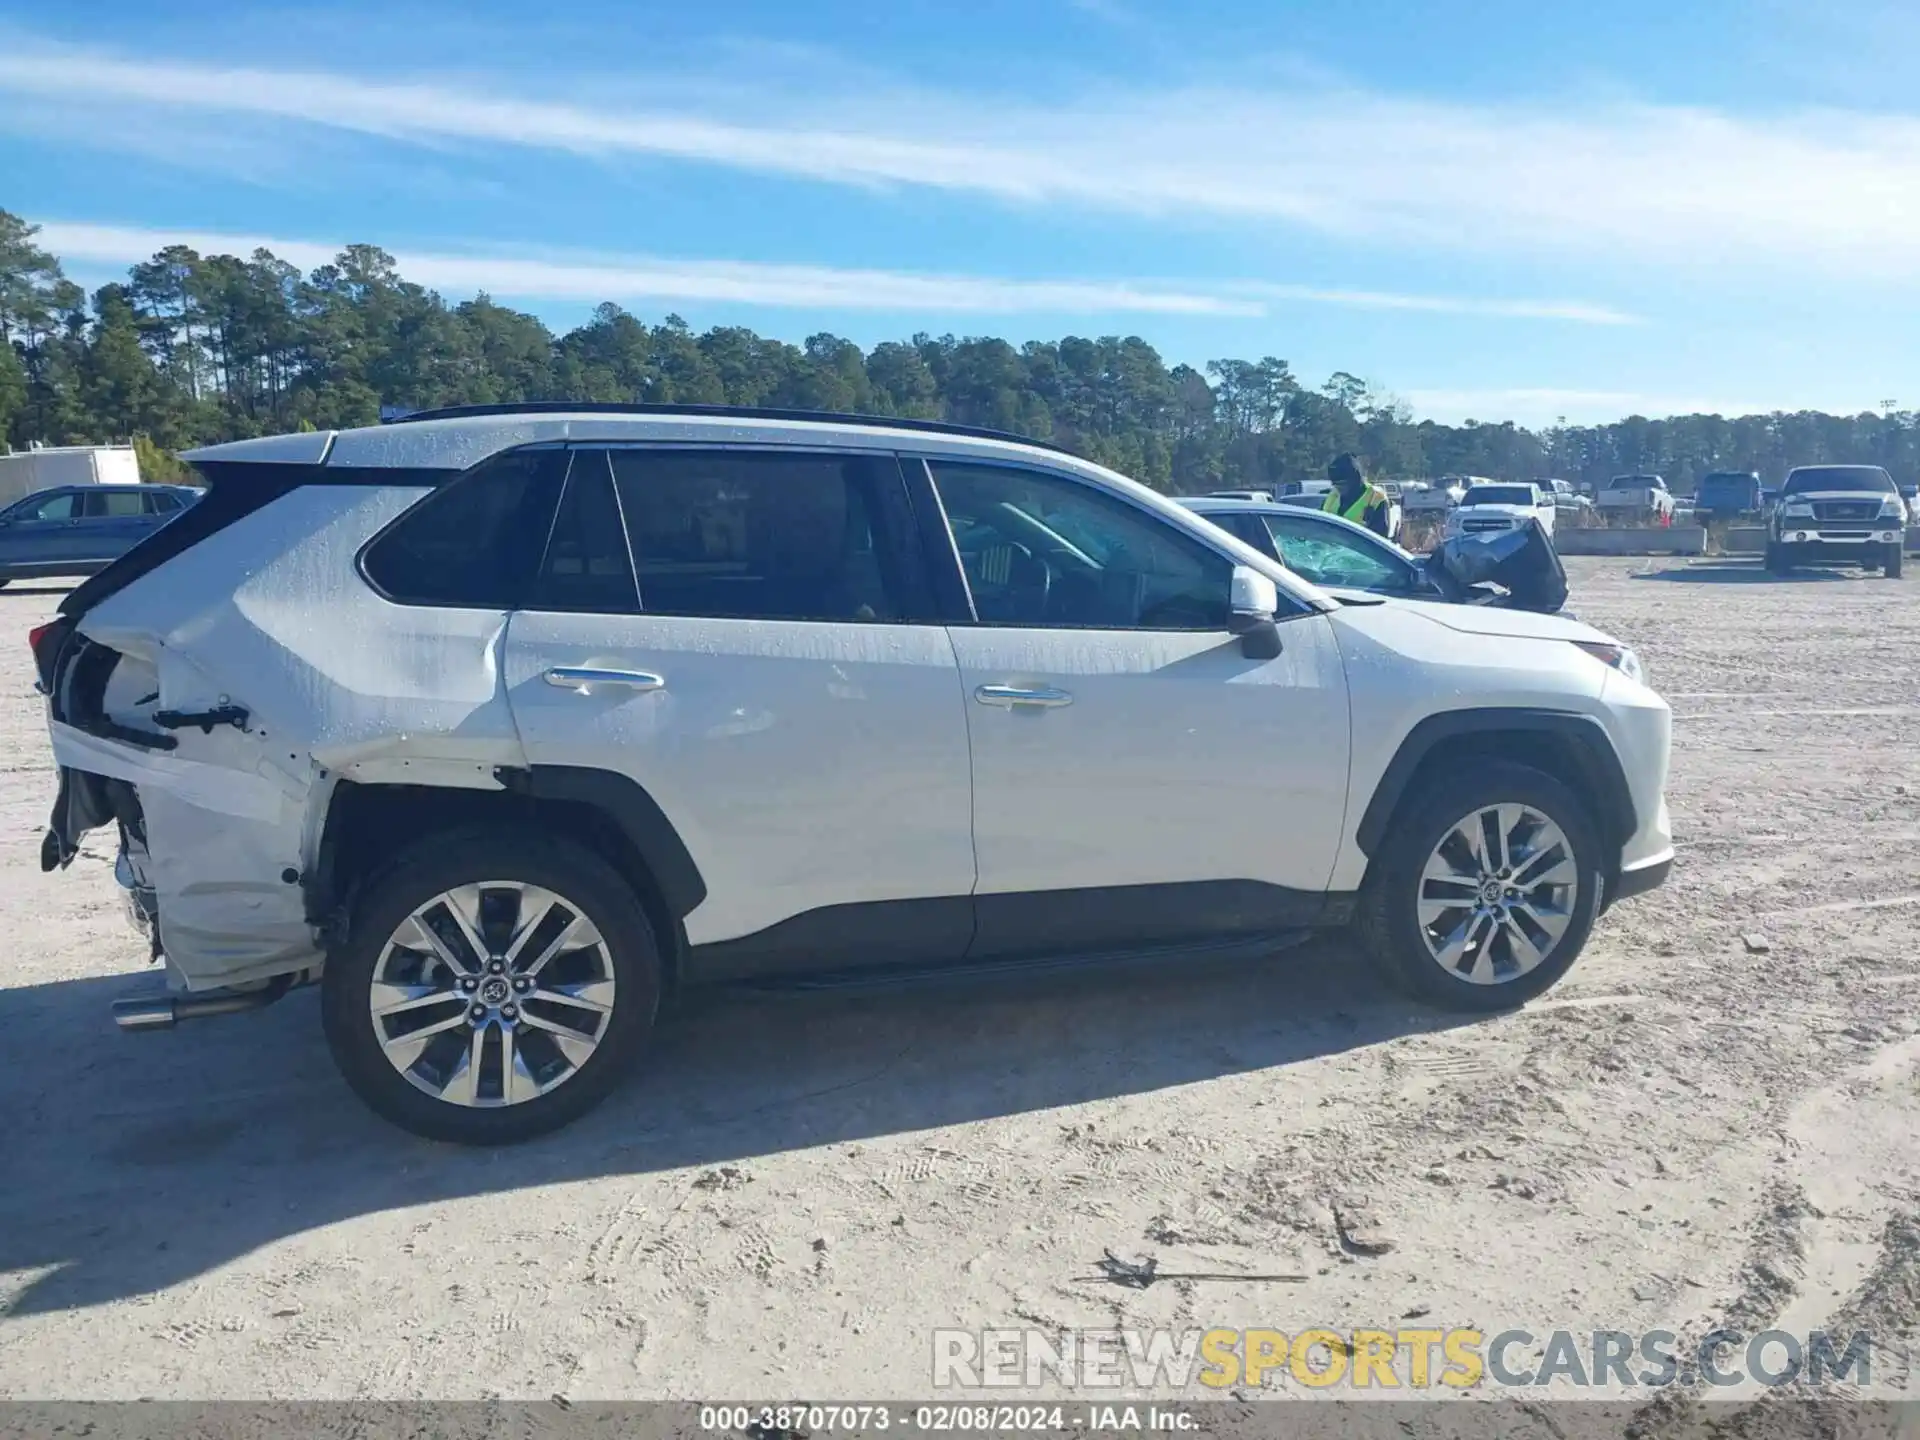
1253, 599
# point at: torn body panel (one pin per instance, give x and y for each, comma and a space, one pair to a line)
230, 809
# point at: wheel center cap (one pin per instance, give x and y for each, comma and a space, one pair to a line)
1491, 892
494, 991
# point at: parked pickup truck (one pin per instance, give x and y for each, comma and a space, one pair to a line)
1838, 515
1727, 495
1636, 497
1489, 508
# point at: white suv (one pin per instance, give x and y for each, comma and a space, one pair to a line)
504, 723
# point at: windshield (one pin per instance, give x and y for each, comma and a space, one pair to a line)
1499, 495
1854, 478
1735, 484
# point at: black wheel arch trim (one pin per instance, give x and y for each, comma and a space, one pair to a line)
1605, 778
638, 815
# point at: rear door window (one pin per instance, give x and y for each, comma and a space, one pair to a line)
587, 565
761, 535
114, 504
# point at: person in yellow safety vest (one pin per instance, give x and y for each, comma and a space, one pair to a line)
1352, 498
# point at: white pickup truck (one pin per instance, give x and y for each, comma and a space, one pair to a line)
1636, 497
1497, 506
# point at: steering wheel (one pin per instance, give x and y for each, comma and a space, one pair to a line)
1032, 580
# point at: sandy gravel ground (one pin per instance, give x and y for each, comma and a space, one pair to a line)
1713, 1119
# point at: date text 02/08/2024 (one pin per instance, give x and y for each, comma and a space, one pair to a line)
770, 1422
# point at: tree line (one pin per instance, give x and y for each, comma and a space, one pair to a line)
191, 349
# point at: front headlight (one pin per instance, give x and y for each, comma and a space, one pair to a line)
1892, 509
1618, 656
1797, 507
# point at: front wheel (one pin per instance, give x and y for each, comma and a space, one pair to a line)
1487, 890
1896, 553
1779, 559
493, 987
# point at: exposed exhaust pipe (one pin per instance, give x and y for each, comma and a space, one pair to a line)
163, 1012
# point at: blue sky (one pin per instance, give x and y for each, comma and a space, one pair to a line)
1498, 209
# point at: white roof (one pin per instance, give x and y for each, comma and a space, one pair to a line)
461, 441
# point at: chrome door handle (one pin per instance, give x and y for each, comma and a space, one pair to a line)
585, 679
1044, 695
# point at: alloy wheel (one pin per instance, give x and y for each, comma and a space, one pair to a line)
1497, 894
492, 994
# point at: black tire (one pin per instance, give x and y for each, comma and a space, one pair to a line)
1389, 922
1896, 553
443, 863
1779, 559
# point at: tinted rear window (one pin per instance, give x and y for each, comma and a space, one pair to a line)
115, 504
475, 542
1858, 478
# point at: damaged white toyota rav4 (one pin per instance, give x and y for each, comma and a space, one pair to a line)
502, 724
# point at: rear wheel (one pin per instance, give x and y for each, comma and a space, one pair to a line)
493, 987
1487, 891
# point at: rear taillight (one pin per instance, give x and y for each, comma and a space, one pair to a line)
45, 642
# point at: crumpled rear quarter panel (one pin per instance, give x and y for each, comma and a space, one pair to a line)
271, 614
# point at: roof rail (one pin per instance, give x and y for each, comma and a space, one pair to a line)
723, 412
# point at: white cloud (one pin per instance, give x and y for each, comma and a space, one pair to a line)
1610, 180
565, 277
1576, 311
575, 276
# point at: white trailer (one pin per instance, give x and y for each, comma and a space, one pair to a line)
22, 472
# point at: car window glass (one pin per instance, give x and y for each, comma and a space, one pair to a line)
159, 502
116, 504
1327, 555
586, 565
757, 534
1250, 529
54, 507
1044, 550
473, 542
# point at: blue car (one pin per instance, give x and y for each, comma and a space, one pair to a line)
79, 529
